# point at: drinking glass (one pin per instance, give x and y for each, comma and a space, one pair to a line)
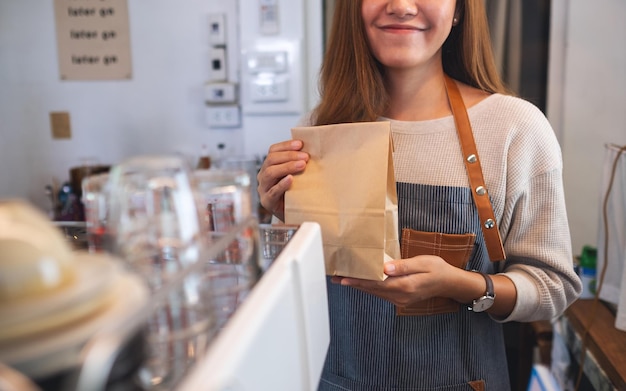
155, 223
94, 199
226, 201
225, 197
273, 239
246, 164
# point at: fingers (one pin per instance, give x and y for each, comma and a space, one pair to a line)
289, 145
409, 280
274, 198
275, 177
377, 288
279, 167
389, 289
407, 266
283, 159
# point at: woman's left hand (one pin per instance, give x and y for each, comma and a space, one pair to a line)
409, 280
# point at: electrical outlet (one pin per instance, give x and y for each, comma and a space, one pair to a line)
226, 116
269, 89
60, 125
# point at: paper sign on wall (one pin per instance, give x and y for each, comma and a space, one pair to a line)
93, 39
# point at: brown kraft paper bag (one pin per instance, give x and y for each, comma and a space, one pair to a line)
349, 188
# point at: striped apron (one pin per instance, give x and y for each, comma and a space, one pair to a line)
371, 348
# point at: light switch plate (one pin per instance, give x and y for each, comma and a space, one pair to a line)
220, 93
217, 29
267, 61
217, 64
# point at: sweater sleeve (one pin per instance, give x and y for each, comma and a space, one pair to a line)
540, 260
536, 231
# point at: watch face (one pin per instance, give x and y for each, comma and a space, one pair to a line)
482, 304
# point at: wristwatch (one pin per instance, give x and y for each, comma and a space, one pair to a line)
484, 302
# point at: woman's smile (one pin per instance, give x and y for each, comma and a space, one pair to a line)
405, 34
401, 28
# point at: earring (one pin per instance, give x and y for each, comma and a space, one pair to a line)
455, 21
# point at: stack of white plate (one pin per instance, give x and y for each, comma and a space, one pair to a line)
43, 335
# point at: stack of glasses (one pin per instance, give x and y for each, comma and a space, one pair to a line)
162, 219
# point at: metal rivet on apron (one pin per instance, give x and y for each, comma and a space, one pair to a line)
472, 158
489, 223
481, 190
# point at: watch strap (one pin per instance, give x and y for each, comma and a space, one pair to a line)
490, 291
485, 301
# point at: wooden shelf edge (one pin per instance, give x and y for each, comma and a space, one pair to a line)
604, 341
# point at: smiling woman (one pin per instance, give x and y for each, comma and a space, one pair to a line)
520, 35
426, 67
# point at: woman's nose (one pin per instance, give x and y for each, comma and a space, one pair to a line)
402, 8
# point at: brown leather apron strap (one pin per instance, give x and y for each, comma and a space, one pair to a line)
488, 223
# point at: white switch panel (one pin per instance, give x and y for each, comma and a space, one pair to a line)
226, 116
267, 61
217, 29
269, 89
271, 78
220, 93
217, 64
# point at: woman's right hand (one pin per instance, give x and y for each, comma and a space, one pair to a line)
276, 175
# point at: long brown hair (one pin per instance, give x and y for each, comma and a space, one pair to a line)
351, 78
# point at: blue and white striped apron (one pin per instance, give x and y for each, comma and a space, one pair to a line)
373, 349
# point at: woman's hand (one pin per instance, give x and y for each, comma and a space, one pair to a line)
276, 175
410, 280
426, 276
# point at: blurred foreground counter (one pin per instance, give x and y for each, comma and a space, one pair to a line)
605, 360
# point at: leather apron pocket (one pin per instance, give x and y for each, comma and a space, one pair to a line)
455, 249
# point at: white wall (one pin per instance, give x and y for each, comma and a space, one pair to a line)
161, 110
586, 103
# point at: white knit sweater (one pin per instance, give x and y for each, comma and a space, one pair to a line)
522, 166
